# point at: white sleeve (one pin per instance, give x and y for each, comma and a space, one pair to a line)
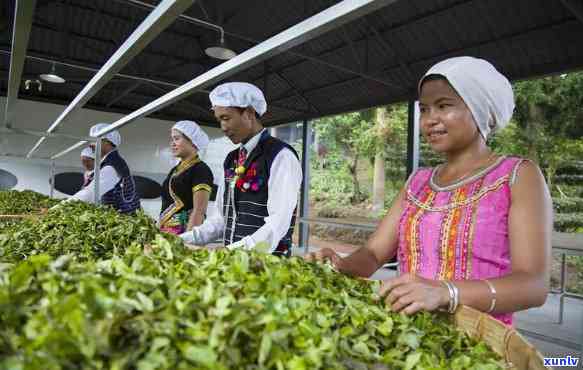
285, 179
108, 178
212, 228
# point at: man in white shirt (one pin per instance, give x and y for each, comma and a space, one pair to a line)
116, 186
256, 203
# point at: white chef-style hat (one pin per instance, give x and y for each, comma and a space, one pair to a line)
239, 94
114, 137
88, 152
194, 133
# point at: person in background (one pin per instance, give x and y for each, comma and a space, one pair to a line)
257, 200
116, 185
475, 230
187, 188
88, 163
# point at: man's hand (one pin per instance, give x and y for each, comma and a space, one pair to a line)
187, 237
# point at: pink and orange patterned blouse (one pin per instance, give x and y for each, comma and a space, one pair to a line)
458, 232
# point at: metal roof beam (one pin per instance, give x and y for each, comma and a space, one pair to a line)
160, 18
350, 43
253, 42
17, 131
390, 49
297, 92
317, 58
125, 93
575, 7
83, 40
20, 35
450, 52
331, 18
69, 149
91, 69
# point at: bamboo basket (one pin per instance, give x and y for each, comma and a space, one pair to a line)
504, 340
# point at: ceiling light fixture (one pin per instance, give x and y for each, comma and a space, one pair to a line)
220, 51
52, 76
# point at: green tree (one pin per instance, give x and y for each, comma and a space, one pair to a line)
549, 121
346, 137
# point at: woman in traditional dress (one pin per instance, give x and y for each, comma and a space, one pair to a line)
475, 230
186, 190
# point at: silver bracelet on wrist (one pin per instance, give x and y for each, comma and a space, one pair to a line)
493, 292
451, 291
456, 297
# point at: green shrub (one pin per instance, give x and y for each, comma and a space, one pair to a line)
569, 222
569, 179
574, 168
568, 205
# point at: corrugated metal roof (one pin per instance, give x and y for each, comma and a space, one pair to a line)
373, 60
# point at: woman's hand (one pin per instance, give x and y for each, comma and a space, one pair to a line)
326, 254
410, 294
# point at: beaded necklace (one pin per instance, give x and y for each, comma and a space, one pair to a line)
468, 175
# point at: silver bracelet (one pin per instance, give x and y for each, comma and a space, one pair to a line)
451, 292
456, 298
493, 291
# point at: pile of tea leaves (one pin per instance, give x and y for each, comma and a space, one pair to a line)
84, 230
93, 299
14, 202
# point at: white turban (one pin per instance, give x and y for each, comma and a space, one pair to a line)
239, 94
487, 93
114, 137
194, 133
88, 152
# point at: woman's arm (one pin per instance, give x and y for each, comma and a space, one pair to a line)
530, 229
530, 225
200, 201
380, 248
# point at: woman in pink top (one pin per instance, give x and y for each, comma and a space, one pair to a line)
475, 230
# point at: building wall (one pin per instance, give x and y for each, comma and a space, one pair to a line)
145, 146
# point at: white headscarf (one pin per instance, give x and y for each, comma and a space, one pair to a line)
487, 93
88, 152
239, 94
114, 137
194, 133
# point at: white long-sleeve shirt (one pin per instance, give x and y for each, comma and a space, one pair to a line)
108, 178
284, 184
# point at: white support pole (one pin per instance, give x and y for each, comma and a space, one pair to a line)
70, 149
96, 170
328, 19
304, 31
52, 180
20, 35
160, 18
412, 137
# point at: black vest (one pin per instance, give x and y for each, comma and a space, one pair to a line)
123, 197
250, 204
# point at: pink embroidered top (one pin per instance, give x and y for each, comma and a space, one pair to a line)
458, 232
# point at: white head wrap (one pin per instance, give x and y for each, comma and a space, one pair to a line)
88, 152
487, 93
194, 133
114, 137
239, 94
